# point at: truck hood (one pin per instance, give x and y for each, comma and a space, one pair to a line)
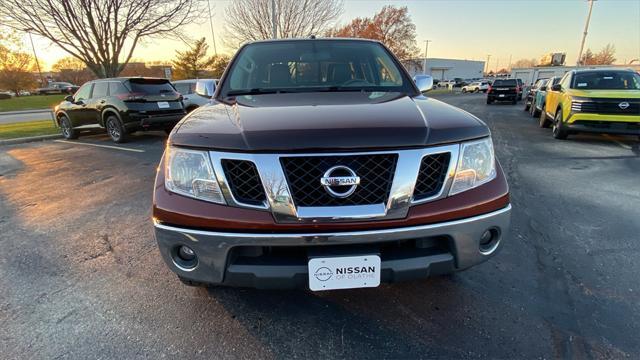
617, 94
323, 121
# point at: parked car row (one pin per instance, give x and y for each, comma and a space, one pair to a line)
128, 104
587, 101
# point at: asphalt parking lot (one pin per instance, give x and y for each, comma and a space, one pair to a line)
81, 276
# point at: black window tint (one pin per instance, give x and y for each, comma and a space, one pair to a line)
510, 82
83, 93
150, 86
100, 90
117, 88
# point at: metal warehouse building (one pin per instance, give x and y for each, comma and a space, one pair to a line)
447, 69
532, 74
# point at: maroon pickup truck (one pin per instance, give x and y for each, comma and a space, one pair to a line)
322, 165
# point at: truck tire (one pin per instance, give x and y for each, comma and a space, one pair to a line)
489, 101
67, 129
558, 130
191, 282
544, 121
115, 129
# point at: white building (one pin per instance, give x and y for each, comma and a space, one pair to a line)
446, 69
532, 74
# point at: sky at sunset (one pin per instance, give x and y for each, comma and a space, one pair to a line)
461, 29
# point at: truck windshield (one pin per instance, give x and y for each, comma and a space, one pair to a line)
606, 80
314, 65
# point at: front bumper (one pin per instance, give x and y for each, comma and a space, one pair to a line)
602, 123
216, 266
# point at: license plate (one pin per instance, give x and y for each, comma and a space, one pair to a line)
344, 272
501, 95
163, 105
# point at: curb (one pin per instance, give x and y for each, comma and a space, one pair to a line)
30, 139
34, 111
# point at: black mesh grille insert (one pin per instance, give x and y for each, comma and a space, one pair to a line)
244, 181
433, 171
375, 172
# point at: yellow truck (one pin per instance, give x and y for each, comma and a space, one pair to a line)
594, 100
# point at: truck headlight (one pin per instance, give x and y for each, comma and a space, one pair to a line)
476, 165
190, 173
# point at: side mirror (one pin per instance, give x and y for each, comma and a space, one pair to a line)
556, 87
423, 82
69, 98
543, 88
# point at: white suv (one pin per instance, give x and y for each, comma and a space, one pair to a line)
476, 86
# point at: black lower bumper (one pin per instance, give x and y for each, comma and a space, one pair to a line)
506, 97
296, 276
151, 122
605, 127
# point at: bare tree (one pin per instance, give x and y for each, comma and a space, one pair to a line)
101, 33
250, 20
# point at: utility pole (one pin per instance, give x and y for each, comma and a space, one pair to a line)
37, 62
584, 34
426, 50
487, 65
213, 36
274, 19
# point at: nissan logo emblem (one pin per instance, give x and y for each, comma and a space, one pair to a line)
338, 178
623, 105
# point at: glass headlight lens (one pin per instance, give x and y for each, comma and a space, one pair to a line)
189, 173
476, 166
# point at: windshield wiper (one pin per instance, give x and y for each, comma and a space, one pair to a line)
258, 91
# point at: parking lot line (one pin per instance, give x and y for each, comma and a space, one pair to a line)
623, 145
102, 146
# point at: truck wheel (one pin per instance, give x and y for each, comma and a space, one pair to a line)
544, 122
489, 101
115, 129
464, 90
191, 282
559, 132
67, 129
514, 101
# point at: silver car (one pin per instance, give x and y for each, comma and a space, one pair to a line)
195, 92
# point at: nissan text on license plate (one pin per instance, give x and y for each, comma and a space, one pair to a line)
344, 272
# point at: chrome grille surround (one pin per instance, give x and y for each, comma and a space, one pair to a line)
281, 204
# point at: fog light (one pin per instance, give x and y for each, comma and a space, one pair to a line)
489, 241
186, 253
485, 239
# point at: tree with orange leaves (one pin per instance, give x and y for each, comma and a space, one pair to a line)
392, 26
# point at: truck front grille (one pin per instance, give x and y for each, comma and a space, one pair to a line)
606, 106
433, 172
244, 181
303, 175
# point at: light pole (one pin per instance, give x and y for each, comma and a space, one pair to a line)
487, 65
426, 50
274, 20
584, 34
213, 36
37, 62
